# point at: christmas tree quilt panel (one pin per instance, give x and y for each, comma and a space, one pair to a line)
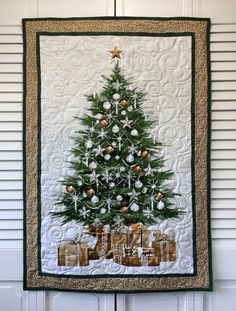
116, 159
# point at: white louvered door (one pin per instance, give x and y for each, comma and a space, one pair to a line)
223, 156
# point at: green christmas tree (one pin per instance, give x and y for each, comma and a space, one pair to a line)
119, 177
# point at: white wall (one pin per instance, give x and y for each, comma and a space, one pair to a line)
223, 186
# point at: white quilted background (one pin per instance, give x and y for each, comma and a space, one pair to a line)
71, 66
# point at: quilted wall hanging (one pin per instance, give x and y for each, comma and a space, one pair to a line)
116, 154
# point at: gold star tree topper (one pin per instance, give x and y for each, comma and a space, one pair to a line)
115, 52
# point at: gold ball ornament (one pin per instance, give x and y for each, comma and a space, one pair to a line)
103, 123
158, 196
109, 149
90, 192
137, 169
70, 189
145, 154
123, 103
124, 209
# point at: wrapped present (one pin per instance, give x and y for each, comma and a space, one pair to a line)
92, 254
118, 253
165, 250
103, 243
139, 235
83, 256
72, 254
158, 236
134, 261
157, 249
118, 238
153, 261
131, 261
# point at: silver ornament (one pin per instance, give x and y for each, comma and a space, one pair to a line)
129, 158
93, 165
117, 157
116, 96
107, 156
134, 133
79, 183
98, 116
134, 207
160, 205
119, 197
122, 169
112, 184
130, 108
144, 190
103, 210
88, 144
106, 105
115, 129
138, 184
123, 112
114, 144
94, 199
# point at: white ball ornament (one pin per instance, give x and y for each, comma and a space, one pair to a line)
130, 158
106, 105
122, 169
115, 129
116, 96
119, 197
144, 190
107, 156
79, 183
160, 205
98, 116
134, 133
117, 157
112, 184
138, 184
103, 210
88, 144
123, 112
94, 199
93, 165
130, 108
114, 144
134, 207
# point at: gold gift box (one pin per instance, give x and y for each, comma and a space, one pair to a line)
121, 247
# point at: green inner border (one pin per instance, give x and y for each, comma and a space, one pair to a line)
24, 21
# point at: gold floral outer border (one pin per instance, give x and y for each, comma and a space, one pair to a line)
33, 279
